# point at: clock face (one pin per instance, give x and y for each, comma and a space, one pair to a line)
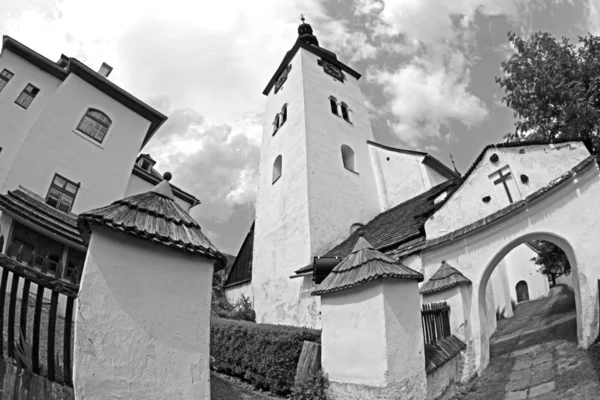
333, 70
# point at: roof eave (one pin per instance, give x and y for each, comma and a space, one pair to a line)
438, 166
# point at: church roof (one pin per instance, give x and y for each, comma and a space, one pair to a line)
363, 265
401, 224
446, 277
241, 270
153, 216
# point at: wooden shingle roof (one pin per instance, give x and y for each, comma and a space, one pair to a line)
153, 216
439, 353
446, 277
363, 265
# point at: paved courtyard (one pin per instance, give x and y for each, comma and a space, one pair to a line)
534, 355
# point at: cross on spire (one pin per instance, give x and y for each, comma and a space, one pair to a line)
302, 17
502, 179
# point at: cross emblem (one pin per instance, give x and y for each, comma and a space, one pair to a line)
502, 179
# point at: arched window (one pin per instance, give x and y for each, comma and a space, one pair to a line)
277, 169
276, 124
283, 114
348, 158
345, 112
333, 104
94, 124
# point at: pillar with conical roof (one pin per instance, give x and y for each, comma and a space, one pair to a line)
143, 314
372, 338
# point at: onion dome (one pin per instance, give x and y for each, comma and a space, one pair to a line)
363, 265
153, 216
305, 33
445, 278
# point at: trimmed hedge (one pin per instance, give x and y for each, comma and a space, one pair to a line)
263, 355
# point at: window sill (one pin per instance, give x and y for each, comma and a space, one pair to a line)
354, 172
278, 178
89, 139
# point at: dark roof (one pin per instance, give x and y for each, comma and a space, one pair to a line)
446, 277
26, 205
316, 50
591, 160
363, 265
93, 78
153, 216
440, 352
241, 270
400, 224
154, 177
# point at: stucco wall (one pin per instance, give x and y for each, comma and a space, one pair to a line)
501, 286
15, 121
234, 293
142, 321
441, 383
137, 185
54, 146
555, 217
565, 280
521, 268
435, 178
541, 164
455, 297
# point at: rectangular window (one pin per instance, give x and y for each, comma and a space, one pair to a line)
5, 76
62, 193
27, 96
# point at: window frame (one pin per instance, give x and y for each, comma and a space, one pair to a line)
27, 93
96, 120
5, 79
283, 114
345, 110
350, 153
333, 101
277, 163
63, 191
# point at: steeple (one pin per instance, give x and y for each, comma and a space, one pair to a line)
305, 32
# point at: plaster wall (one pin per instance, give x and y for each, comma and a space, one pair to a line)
441, 383
502, 289
542, 164
565, 280
400, 176
455, 297
490, 302
555, 217
53, 145
15, 121
521, 268
435, 178
137, 185
234, 293
142, 321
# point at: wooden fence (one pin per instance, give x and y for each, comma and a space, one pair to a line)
33, 336
435, 318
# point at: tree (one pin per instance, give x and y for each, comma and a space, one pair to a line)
553, 87
552, 260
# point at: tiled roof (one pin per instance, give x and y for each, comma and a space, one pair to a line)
591, 160
363, 265
153, 216
439, 353
446, 277
27, 205
154, 177
400, 224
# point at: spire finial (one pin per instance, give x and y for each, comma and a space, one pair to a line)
302, 17
454, 165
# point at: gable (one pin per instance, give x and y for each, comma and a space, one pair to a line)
503, 175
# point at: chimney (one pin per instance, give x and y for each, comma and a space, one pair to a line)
105, 70
63, 61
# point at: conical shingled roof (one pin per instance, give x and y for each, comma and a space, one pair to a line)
445, 277
363, 265
154, 216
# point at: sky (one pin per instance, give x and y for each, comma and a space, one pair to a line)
428, 69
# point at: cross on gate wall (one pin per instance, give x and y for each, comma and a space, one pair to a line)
505, 188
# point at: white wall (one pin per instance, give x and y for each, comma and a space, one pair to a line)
521, 268
142, 321
53, 146
234, 294
565, 280
541, 164
501, 287
137, 185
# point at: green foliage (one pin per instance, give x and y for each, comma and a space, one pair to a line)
551, 259
553, 87
313, 388
242, 310
263, 355
513, 304
500, 314
23, 350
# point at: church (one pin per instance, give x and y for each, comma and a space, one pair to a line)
324, 181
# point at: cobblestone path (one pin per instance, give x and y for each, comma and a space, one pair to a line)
534, 355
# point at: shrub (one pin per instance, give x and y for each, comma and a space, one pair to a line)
513, 304
500, 314
263, 355
313, 388
243, 310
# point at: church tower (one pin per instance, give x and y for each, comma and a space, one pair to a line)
315, 176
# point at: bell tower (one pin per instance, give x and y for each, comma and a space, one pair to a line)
315, 176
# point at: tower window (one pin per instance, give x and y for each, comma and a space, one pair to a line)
276, 124
277, 169
333, 105
348, 158
5, 76
345, 112
283, 114
94, 124
27, 96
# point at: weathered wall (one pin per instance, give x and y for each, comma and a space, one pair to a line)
541, 164
435, 178
142, 321
441, 383
137, 185
521, 268
53, 145
501, 286
555, 217
455, 298
21, 384
234, 293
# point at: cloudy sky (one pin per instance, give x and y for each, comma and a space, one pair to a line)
428, 73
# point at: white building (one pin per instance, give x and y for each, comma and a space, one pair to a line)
69, 142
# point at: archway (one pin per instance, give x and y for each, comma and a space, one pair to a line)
522, 290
